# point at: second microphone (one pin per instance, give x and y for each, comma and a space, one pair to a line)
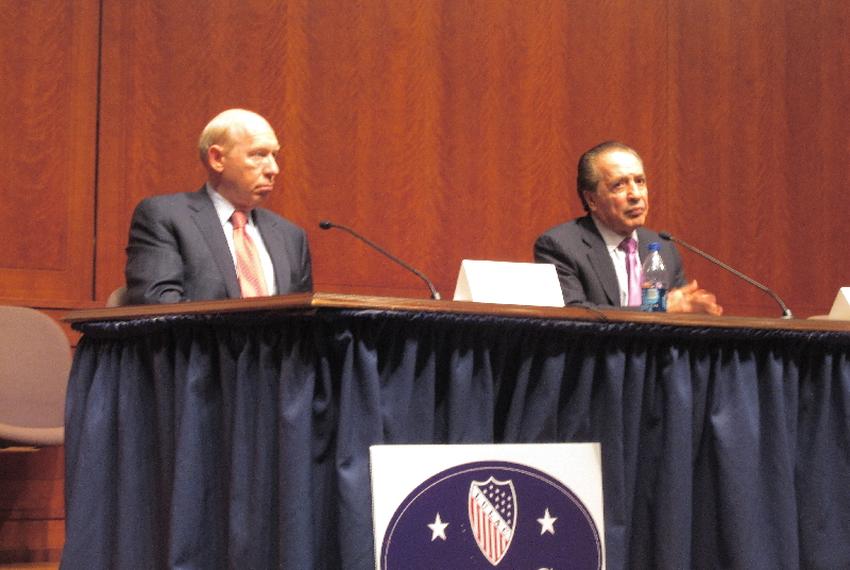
326, 225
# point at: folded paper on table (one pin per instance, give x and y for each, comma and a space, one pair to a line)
840, 310
507, 282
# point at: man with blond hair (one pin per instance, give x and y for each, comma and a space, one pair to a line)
217, 242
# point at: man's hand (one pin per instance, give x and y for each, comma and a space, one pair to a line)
692, 299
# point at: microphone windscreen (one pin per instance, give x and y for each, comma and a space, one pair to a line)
325, 225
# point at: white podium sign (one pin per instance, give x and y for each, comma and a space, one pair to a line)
533, 506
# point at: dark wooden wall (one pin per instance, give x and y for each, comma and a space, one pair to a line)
48, 145
442, 129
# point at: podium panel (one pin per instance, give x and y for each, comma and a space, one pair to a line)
481, 506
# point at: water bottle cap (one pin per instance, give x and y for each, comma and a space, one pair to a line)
655, 246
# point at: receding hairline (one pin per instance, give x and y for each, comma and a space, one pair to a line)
604, 149
222, 128
587, 177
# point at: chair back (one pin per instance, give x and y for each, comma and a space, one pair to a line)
35, 359
118, 298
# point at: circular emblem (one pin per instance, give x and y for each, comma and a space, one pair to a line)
489, 515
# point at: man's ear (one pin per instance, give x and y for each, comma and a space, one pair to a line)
590, 198
215, 157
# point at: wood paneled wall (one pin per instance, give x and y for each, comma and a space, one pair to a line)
48, 128
442, 129
32, 506
48, 145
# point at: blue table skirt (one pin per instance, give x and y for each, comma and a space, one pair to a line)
241, 441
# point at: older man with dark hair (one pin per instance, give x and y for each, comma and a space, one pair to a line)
591, 253
217, 242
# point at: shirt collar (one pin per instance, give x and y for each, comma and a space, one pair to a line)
611, 238
223, 208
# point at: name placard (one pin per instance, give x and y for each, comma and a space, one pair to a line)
507, 282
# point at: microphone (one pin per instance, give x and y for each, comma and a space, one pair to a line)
326, 225
786, 312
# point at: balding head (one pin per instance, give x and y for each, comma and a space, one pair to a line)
225, 127
239, 150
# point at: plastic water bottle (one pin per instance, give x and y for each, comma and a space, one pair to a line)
654, 285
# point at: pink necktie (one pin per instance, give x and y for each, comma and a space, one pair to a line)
249, 270
629, 245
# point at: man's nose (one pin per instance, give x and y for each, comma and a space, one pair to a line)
271, 166
634, 189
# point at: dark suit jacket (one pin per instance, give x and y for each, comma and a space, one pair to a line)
584, 265
178, 252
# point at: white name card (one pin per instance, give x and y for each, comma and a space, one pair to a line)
508, 282
841, 306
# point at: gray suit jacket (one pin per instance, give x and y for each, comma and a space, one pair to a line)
584, 265
177, 252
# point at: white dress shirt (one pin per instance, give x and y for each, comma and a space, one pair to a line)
225, 209
618, 257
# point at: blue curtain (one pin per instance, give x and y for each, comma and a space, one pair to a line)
241, 441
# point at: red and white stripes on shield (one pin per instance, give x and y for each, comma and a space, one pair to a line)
491, 531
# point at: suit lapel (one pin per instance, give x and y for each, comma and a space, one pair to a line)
276, 246
644, 239
205, 217
600, 260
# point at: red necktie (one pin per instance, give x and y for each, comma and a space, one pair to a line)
629, 245
249, 270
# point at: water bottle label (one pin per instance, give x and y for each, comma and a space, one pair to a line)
653, 299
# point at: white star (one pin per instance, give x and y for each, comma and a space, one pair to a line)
438, 529
547, 523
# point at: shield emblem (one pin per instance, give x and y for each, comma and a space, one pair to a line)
492, 517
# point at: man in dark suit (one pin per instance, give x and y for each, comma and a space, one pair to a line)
588, 252
189, 246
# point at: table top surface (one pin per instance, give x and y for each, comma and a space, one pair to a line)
313, 302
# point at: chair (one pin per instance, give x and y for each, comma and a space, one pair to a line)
117, 298
35, 359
